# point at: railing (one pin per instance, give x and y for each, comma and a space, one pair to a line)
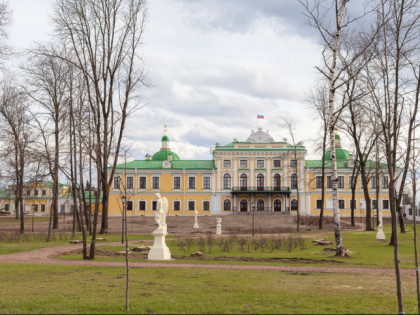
266, 210
261, 188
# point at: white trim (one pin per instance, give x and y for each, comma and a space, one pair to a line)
145, 205
195, 183
173, 182
202, 205
140, 176
188, 205
173, 205
203, 177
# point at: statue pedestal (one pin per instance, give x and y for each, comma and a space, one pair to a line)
219, 226
196, 225
159, 250
380, 235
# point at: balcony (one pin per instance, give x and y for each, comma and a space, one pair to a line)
267, 189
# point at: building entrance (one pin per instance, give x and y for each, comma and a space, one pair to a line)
244, 205
277, 205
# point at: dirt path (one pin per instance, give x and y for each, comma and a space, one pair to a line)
45, 256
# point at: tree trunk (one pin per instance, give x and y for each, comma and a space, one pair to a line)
324, 145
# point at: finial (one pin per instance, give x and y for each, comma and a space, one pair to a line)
165, 129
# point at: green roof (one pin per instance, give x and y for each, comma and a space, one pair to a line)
340, 154
177, 164
162, 155
165, 138
43, 183
92, 195
337, 137
341, 164
4, 193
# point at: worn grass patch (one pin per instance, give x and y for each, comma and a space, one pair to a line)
71, 289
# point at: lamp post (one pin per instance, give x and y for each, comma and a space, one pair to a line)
253, 216
122, 221
33, 216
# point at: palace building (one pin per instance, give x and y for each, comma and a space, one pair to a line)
258, 174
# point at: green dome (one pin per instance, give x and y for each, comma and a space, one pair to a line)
340, 154
165, 138
162, 155
337, 137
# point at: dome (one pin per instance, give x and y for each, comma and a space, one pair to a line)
165, 138
260, 136
162, 155
340, 154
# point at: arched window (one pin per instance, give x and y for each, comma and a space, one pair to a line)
244, 205
277, 182
293, 181
260, 205
226, 205
260, 182
294, 204
226, 181
277, 205
244, 182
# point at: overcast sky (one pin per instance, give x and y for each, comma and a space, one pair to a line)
213, 65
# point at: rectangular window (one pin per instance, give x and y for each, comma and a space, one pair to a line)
117, 182
44, 193
341, 204
277, 163
191, 205
154, 205
227, 163
374, 204
35, 192
354, 203
385, 204
35, 208
130, 182
318, 182
142, 182
260, 163
129, 205
206, 205
43, 207
385, 181
28, 193
373, 182
318, 204
142, 205
340, 181
329, 182
177, 182
243, 163
191, 182
293, 163
206, 182
155, 182
6, 207
177, 205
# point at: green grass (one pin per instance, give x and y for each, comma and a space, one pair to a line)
28, 219
71, 289
29, 242
366, 252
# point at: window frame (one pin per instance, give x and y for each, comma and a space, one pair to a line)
178, 202
154, 205
341, 182
293, 181
117, 182
129, 179
318, 182
155, 179
316, 204
206, 202
241, 162
189, 203
132, 205
144, 205
176, 182
192, 183
142, 180
227, 181
260, 163
227, 163
293, 163
206, 182
227, 202
274, 163
341, 204
383, 204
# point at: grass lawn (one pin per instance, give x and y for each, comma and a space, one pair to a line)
71, 289
28, 219
366, 252
35, 241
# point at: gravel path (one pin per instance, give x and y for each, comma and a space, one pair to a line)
45, 256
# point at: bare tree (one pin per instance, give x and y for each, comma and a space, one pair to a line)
48, 79
16, 139
319, 101
393, 81
5, 18
105, 37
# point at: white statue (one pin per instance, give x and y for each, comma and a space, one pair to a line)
161, 212
380, 235
219, 226
196, 226
159, 250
